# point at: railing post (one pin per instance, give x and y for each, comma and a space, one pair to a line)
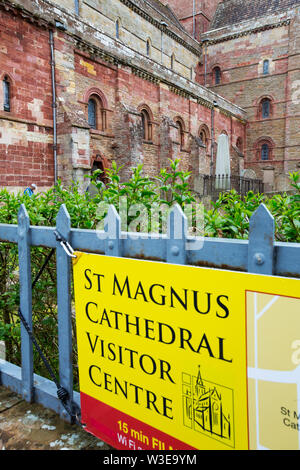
261, 242
25, 302
177, 234
64, 313
112, 228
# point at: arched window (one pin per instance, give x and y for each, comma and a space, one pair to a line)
172, 61
264, 149
239, 144
217, 75
199, 75
117, 29
180, 132
266, 67
146, 125
265, 108
265, 152
100, 163
204, 135
92, 113
96, 113
6, 94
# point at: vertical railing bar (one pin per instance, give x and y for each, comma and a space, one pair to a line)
64, 312
177, 235
112, 229
261, 242
25, 302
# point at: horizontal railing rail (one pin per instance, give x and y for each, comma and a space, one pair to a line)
260, 254
213, 185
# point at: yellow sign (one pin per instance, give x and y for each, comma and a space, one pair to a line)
163, 353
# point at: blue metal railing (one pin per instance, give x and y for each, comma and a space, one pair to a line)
260, 254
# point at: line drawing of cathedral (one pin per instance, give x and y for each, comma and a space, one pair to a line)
204, 410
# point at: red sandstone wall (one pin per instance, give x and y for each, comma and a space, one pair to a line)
122, 139
26, 133
26, 150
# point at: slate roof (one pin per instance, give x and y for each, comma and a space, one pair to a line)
158, 12
230, 12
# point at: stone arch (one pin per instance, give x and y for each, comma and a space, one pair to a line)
7, 87
97, 92
147, 122
95, 98
204, 135
179, 122
264, 149
260, 107
216, 73
100, 162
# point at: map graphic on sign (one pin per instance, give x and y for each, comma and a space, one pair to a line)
208, 408
273, 371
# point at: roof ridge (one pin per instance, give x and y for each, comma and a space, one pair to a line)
231, 12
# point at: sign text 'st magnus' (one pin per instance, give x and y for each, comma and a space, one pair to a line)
198, 301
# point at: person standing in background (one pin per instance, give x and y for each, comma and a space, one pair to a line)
30, 190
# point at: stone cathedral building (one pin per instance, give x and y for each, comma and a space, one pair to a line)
86, 82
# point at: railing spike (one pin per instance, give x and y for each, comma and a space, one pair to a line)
261, 242
112, 228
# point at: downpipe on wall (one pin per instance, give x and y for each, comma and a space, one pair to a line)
52, 63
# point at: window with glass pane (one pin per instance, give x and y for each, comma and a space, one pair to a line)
202, 136
6, 94
266, 67
266, 108
180, 133
76, 6
143, 125
217, 75
172, 61
92, 113
146, 125
265, 152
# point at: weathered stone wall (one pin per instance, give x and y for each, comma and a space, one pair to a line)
134, 30
125, 81
240, 51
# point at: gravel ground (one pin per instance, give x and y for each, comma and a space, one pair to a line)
25, 426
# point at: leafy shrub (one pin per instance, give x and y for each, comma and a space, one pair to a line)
228, 217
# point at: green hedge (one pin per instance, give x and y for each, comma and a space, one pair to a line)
228, 217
